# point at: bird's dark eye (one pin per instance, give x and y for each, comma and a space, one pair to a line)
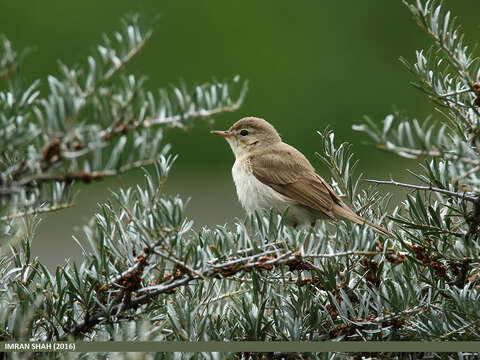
244, 132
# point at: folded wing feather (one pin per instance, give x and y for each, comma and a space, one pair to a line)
295, 178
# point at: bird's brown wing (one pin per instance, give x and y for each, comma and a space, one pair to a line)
287, 171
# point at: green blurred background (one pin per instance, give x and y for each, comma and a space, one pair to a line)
309, 64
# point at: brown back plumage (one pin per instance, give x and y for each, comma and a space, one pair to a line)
288, 171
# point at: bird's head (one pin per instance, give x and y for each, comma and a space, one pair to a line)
248, 134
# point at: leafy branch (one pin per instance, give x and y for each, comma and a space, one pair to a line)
146, 274
420, 187
93, 122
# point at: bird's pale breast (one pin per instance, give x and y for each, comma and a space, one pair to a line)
255, 196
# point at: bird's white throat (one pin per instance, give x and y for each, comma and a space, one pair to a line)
239, 149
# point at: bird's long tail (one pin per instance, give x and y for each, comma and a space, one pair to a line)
347, 213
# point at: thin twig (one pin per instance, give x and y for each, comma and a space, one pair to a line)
248, 250
148, 122
464, 327
467, 173
241, 260
238, 292
179, 262
202, 113
85, 176
345, 253
127, 57
421, 187
453, 93
433, 153
37, 211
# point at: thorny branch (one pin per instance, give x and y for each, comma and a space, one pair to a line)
184, 275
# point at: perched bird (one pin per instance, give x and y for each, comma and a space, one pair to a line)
269, 173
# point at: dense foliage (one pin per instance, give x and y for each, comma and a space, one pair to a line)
146, 275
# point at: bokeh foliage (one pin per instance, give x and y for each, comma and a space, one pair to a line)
311, 66
322, 58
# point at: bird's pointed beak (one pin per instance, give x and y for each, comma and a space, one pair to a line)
223, 133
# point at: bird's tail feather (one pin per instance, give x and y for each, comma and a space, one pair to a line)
347, 213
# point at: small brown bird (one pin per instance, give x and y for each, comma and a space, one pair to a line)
269, 173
